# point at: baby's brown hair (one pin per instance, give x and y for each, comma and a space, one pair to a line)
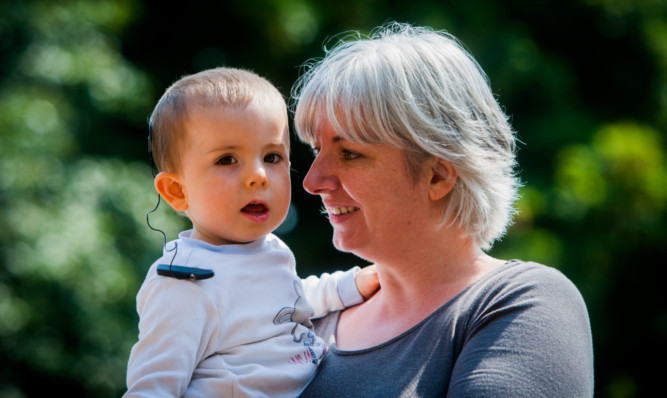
222, 86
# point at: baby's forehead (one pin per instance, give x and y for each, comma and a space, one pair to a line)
257, 109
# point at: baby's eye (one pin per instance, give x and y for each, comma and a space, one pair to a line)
273, 158
227, 160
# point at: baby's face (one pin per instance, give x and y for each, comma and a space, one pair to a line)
235, 172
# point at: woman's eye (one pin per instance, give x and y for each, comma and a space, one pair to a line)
227, 160
349, 155
316, 150
273, 158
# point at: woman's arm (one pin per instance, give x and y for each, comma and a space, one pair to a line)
532, 337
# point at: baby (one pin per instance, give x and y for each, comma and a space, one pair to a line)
223, 312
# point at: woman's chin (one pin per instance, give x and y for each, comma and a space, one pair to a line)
341, 244
348, 246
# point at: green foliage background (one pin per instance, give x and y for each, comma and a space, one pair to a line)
585, 82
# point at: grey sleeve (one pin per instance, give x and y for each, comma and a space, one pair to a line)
532, 338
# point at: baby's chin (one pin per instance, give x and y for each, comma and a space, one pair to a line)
257, 233
229, 239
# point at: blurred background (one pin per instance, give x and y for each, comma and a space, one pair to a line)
584, 81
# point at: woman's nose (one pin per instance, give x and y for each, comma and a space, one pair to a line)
256, 177
320, 177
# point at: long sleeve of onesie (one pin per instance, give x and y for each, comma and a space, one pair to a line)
332, 292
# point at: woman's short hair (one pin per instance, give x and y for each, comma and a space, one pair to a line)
209, 88
418, 89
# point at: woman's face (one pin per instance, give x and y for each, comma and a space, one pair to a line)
375, 207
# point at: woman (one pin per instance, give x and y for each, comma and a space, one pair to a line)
415, 166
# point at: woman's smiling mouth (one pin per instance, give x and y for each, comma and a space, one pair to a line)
341, 210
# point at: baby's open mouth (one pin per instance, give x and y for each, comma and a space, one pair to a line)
254, 208
256, 212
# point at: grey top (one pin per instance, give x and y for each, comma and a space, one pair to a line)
521, 330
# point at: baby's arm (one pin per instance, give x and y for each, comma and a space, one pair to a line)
174, 318
340, 290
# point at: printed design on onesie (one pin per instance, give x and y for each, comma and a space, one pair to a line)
300, 314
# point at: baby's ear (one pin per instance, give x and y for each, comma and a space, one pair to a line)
443, 177
169, 186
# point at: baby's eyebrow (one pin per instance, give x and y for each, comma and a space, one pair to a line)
224, 148
272, 145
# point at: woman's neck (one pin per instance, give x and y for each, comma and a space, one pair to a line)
432, 275
413, 285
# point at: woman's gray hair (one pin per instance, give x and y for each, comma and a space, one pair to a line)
418, 89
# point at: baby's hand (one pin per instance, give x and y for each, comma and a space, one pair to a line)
367, 281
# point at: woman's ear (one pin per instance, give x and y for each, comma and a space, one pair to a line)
442, 179
169, 186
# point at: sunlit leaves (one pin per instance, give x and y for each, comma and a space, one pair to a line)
623, 168
74, 240
14, 312
579, 179
34, 120
70, 47
635, 159
298, 22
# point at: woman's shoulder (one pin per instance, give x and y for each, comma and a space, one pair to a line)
518, 267
525, 290
518, 289
525, 276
